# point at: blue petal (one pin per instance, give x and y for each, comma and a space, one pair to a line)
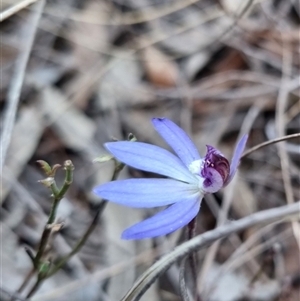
146, 193
239, 149
150, 158
166, 221
177, 139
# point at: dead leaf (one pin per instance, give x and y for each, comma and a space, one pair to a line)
25, 138
160, 70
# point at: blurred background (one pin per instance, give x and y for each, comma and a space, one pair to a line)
75, 74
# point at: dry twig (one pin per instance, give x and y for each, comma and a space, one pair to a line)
14, 91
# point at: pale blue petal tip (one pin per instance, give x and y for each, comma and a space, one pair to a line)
239, 149
177, 139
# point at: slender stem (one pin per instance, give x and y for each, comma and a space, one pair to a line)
182, 284
5, 295
35, 287
43, 245
192, 259
80, 243
118, 167
259, 146
58, 195
56, 200
69, 168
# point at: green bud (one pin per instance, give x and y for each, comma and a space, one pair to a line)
68, 165
45, 167
131, 137
54, 169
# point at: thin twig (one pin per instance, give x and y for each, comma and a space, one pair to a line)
129, 18
12, 296
14, 90
264, 144
236, 19
182, 284
15, 9
244, 253
35, 287
282, 100
266, 216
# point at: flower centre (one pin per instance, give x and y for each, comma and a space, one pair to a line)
196, 166
213, 170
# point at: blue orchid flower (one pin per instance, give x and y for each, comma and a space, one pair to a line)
189, 178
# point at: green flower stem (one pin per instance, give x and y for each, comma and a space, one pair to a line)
42, 247
57, 195
118, 167
80, 243
35, 287
69, 168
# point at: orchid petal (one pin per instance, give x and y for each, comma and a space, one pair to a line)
239, 149
150, 158
146, 193
213, 181
166, 221
177, 139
